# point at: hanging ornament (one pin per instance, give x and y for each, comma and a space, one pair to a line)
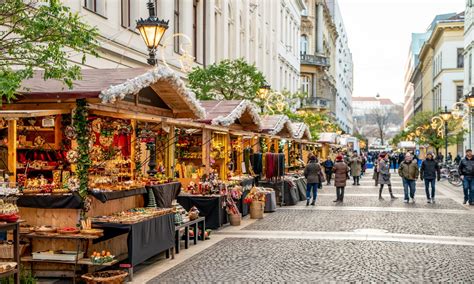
70, 132
72, 156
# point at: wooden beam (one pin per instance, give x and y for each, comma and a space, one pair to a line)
58, 133
12, 133
206, 150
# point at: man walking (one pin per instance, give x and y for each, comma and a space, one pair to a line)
429, 172
328, 166
408, 170
466, 170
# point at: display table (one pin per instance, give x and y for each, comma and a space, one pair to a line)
15, 227
195, 225
301, 186
165, 193
50, 201
208, 206
290, 191
105, 196
270, 202
145, 239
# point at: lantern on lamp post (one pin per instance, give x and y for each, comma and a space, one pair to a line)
446, 116
262, 94
152, 30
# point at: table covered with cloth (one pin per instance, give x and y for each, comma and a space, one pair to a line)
208, 206
301, 186
145, 239
290, 191
165, 193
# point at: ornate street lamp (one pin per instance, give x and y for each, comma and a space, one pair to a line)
262, 94
446, 116
339, 132
152, 30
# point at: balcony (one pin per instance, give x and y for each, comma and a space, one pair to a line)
316, 60
314, 103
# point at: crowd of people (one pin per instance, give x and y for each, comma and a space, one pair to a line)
408, 166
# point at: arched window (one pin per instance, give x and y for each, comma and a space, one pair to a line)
304, 44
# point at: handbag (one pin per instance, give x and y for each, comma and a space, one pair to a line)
322, 178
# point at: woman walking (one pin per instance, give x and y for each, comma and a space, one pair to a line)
341, 170
384, 174
314, 177
356, 167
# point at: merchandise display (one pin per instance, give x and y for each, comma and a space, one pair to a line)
132, 216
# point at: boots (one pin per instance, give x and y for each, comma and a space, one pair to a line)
307, 202
380, 192
312, 203
391, 193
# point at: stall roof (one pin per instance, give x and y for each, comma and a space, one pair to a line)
327, 137
30, 113
301, 130
277, 125
226, 113
111, 85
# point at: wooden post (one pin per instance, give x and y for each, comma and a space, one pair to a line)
133, 142
12, 149
58, 133
206, 150
170, 154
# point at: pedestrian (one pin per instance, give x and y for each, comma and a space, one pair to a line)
440, 158
391, 159
409, 172
314, 177
376, 172
328, 166
429, 172
356, 167
341, 171
449, 158
384, 174
466, 170
457, 160
363, 165
401, 158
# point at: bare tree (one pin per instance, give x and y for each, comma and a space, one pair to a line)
381, 118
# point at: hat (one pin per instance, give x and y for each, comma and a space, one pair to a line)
383, 154
430, 153
312, 158
339, 158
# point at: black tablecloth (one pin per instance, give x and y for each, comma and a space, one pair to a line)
145, 239
243, 207
291, 196
165, 193
301, 186
70, 201
103, 196
248, 182
208, 206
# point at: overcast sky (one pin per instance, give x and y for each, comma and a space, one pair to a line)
379, 33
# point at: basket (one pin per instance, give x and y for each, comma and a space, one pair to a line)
106, 277
6, 250
235, 219
256, 210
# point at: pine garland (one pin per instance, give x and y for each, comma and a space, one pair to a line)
84, 162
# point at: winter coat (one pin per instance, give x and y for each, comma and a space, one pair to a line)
430, 169
312, 173
356, 166
328, 165
409, 170
384, 172
466, 167
340, 174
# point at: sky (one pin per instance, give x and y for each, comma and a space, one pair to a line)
379, 33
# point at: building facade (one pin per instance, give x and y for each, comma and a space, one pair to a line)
468, 68
200, 33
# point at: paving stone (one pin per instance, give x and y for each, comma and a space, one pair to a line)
310, 261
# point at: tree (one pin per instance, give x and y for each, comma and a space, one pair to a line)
227, 80
40, 34
380, 117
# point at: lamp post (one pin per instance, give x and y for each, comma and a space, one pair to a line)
152, 30
263, 94
446, 116
470, 102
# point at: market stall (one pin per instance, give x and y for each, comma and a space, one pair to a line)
96, 152
302, 136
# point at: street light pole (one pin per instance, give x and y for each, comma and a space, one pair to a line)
446, 116
470, 102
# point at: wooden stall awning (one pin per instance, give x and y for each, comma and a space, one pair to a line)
328, 137
13, 114
301, 130
278, 125
156, 87
232, 113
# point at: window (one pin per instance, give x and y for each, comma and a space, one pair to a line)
96, 6
305, 84
460, 61
129, 14
459, 93
176, 42
304, 44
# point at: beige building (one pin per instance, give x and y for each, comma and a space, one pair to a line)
318, 56
209, 31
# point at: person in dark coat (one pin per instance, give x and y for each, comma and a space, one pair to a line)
409, 172
341, 170
313, 175
466, 170
328, 166
355, 163
384, 174
430, 172
457, 160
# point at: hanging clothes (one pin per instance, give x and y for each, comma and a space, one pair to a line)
256, 162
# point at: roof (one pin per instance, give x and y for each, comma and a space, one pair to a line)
328, 137
277, 125
111, 85
382, 101
301, 130
230, 112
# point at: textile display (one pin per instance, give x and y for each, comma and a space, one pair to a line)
145, 239
274, 165
247, 153
257, 163
301, 186
165, 193
270, 202
291, 196
208, 206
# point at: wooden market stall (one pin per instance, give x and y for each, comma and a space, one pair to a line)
278, 130
302, 136
96, 149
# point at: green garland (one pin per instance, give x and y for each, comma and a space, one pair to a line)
84, 162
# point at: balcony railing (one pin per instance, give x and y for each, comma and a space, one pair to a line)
314, 102
317, 60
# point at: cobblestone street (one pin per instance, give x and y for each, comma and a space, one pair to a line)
363, 239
